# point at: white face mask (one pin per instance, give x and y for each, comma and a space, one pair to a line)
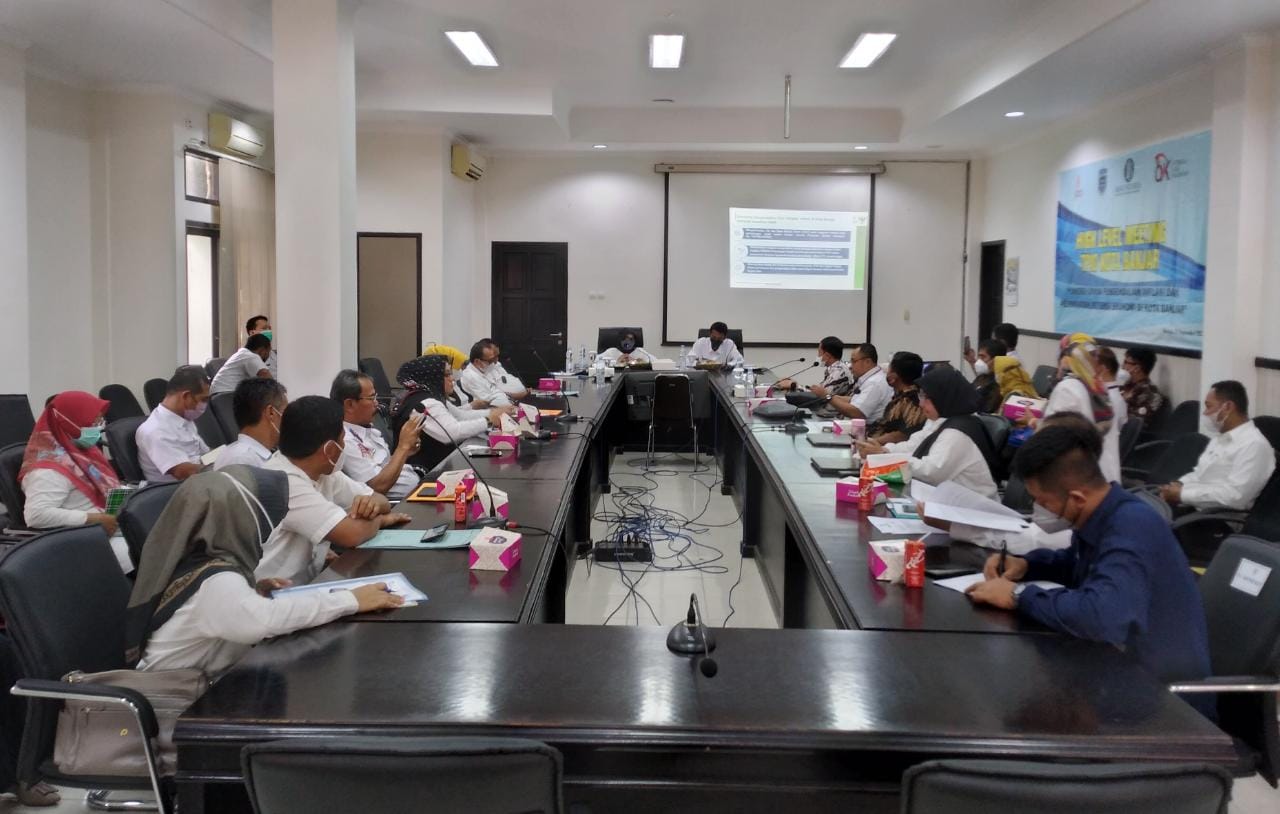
981, 367
1049, 522
1123, 378
1211, 425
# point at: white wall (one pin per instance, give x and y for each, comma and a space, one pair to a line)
459, 262
14, 301
1271, 280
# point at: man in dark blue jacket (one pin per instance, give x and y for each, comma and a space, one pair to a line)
1127, 580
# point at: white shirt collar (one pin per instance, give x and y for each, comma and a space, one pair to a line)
255, 445
164, 415
869, 375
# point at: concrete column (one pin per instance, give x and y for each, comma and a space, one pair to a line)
15, 299
315, 138
1238, 211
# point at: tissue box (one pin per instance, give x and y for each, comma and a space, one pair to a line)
739, 391
480, 506
1016, 407
447, 482
886, 559
497, 550
847, 490
856, 427
752, 404
764, 390
549, 383
664, 364
530, 413
504, 440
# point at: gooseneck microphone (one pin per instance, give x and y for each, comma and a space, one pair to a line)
567, 417
691, 637
770, 368
491, 520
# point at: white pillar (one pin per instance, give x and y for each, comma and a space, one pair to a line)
315, 137
15, 300
1238, 206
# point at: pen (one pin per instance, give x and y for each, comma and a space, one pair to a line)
1004, 550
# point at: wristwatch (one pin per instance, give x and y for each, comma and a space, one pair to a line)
1017, 591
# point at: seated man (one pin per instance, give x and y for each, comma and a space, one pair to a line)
871, 390
1143, 398
984, 380
628, 352
246, 363
1127, 582
1108, 372
485, 380
258, 405
836, 377
169, 447
260, 324
1005, 332
1238, 461
903, 416
717, 347
325, 506
367, 459
508, 382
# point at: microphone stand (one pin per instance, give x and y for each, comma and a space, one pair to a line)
567, 417
491, 521
691, 637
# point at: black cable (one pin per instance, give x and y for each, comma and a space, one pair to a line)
732, 610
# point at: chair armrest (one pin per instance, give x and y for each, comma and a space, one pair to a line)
1159, 443
1224, 515
64, 691
1259, 683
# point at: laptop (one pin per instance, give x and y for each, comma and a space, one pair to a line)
829, 440
835, 464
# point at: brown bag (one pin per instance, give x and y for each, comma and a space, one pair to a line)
98, 738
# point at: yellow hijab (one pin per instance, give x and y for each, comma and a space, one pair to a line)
457, 359
1012, 378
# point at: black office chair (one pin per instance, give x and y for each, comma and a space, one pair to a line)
123, 403
1016, 496
223, 412
371, 366
1129, 436
431, 452
1172, 459
10, 490
733, 333
672, 406
122, 443
210, 430
212, 366
383, 425
998, 428
612, 337
386, 775
16, 419
1241, 595
63, 597
1043, 380
139, 514
1022, 787
154, 391
1155, 426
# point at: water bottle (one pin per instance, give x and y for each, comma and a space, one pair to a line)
684, 357
568, 361
599, 364
582, 359
737, 372
750, 377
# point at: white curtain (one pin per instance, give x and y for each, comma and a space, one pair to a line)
248, 235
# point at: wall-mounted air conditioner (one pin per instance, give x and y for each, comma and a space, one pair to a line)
235, 137
466, 162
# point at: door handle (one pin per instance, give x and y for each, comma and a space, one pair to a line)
557, 336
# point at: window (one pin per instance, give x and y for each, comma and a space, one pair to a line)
202, 294
201, 177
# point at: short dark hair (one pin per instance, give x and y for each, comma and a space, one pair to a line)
1144, 358
907, 366
719, 327
868, 350
994, 347
347, 385
187, 378
257, 342
308, 424
833, 346
1063, 453
1234, 392
1107, 358
1007, 333
1070, 418
252, 322
252, 397
478, 349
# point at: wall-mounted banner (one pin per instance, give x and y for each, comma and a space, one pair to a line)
1132, 236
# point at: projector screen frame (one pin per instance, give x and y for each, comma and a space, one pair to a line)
871, 170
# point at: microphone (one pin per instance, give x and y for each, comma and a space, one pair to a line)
492, 521
787, 362
691, 637
797, 371
567, 416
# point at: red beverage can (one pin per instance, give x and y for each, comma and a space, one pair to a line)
459, 504
866, 494
913, 563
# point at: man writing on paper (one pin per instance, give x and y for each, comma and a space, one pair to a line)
1127, 580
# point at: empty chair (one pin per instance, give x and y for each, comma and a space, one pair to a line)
1176, 458
122, 443
612, 337
221, 407
1043, 379
393, 774
16, 419
212, 366
1129, 436
10, 490
139, 514
1185, 418
672, 406
998, 428
372, 367
1023, 787
123, 403
1016, 496
153, 391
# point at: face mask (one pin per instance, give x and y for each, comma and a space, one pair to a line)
266, 333
1049, 522
981, 367
715, 344
1211, 425
332, 462
628, 346
1123, 378
194, 414
89, 437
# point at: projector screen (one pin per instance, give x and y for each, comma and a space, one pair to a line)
786, 258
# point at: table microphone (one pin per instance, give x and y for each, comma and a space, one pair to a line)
567, 417
492, 521
796, 372
706, 664
779, 364
691, 637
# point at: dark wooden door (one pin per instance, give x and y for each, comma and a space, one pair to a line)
530, 306
991, 290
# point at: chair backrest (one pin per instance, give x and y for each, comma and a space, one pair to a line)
16, 419
1156, 423
1185, 418
1043, 379
212, 366
612, 337
1019, 787
1241, 593
210, 429
371, 366
1016, 496
123, 445
10, 490
1129, 436
672, 399
1179, 459
381, 775
1269, 426
998, 428
733, 333
139, 514
153, 391
123, 403
224, 413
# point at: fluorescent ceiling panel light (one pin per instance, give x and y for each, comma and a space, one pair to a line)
599, 146
861, 147
473, 48
867, 50
1014, 114
665, 50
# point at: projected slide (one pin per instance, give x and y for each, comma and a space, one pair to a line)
794, 249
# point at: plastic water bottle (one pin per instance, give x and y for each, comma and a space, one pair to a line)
582, 359
737, 373
684, 357
568, 361
599, 365
750, 377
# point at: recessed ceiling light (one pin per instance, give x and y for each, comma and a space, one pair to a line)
473, 48
861, 147
599, 146
867, 50
665, 50
1014, 114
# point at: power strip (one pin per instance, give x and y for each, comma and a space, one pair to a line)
628, 550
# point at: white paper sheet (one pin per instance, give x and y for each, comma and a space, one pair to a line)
898, 525
962, 583
397, 584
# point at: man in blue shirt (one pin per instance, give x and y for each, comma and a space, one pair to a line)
1127, 581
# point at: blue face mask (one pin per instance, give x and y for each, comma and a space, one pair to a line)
89, 437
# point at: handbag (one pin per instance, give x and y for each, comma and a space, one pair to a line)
99, 738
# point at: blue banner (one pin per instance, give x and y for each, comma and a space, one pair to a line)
1132, 237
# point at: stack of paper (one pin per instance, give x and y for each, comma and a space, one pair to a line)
956, 504
397, 584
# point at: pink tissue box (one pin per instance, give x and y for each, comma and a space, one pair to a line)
856, 427
549, 383
763, 390
847, 490
505, 441
447, 482
495, 550
752, 404
885, 558
480, 506
1015, 407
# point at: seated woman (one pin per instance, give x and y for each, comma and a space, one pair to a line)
627, 353
429, 382
953, 445
64, 475
196, 604
1012, 378
1081, 390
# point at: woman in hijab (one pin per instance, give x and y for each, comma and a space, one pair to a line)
1081, 390
1013, 379
64, 474
953, 444
195, 603
429, 380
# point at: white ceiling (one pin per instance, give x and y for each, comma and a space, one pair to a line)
574, 72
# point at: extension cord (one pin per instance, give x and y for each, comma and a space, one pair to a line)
628, 550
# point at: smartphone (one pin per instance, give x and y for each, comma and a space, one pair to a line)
434, 532
968, 346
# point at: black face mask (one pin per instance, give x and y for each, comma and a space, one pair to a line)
628, 346
715, 343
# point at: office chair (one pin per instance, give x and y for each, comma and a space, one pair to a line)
1129, 436
139, 514
1185, 418
733, 333
1160, 462
612, 337
1016, 496
210, 430
1023, 787
372, 367
122, 442
10, 489
16, 419
998, 428
123, 403
154, 391
224, 413
672, 404
1043, 379
1241, 595
63, 597
212, 366
393, 774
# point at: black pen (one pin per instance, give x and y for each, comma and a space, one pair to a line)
1004, 550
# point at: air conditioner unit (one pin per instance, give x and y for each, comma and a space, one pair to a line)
466, 162
235, 137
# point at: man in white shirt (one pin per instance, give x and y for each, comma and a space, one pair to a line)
325, 506
367, 459
628, 352
871, 389
1236, 464
246, 363
716, 347
837, 379
486, 380
260, 324
1007, 333
258, 405
1108, 370
169, 447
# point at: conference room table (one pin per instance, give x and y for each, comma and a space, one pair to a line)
864, 679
